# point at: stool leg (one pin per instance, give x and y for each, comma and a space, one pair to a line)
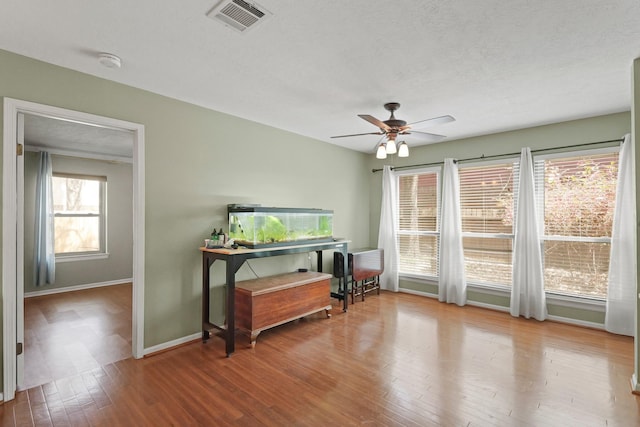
353, 291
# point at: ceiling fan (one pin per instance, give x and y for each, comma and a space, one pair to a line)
392, 128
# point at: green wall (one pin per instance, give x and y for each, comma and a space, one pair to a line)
196, 162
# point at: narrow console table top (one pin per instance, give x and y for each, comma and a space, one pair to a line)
306, 247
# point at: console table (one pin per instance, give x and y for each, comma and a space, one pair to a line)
234, 258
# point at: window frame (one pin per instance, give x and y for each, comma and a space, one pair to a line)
585, 302
540, 206
515, 162
102, 252
437, 170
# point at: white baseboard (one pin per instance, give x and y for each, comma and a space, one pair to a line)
419, 293
472, 303
489, 306
170, 344
635, 387
576, 322
76, 288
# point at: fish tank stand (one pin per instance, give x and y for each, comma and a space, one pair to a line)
234, 258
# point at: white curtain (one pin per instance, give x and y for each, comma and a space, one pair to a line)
452, 285
387, 238
44, 257
527, 293
621, 294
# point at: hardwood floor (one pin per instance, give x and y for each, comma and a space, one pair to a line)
393, 360
74, 332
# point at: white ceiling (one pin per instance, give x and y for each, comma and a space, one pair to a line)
314, 65
81, 140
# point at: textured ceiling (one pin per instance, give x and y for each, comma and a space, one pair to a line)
314, 65
65, 137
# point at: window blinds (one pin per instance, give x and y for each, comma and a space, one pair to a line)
418, 218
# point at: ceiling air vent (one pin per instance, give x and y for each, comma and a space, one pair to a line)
239, 14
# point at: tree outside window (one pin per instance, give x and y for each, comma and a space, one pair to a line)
577, 199
79, 214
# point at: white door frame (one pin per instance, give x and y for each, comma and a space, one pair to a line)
13, 235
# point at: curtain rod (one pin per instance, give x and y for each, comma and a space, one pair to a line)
493, 156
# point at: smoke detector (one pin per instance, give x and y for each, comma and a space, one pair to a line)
239, 14
110, 60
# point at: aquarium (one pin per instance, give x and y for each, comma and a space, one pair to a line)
259, 227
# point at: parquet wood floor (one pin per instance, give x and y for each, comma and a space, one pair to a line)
74, 332
393, 360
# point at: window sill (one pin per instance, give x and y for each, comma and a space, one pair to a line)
572, 301
89, 257
419, 278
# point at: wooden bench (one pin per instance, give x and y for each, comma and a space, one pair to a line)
271, 301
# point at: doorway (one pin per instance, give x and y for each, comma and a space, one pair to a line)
13, 229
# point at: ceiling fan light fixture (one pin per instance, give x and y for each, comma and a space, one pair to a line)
403, 149
393, 127
391, 146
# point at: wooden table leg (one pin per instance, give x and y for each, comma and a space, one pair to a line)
205, 296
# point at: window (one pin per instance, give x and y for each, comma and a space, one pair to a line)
418, 222
79, 210
576, 199
486, 202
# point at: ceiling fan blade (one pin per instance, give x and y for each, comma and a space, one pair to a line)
374, 121
424, 136
358, 134
432, 122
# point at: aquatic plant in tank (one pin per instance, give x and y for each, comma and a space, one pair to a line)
257, 226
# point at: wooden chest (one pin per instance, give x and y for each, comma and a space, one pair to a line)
271, 301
